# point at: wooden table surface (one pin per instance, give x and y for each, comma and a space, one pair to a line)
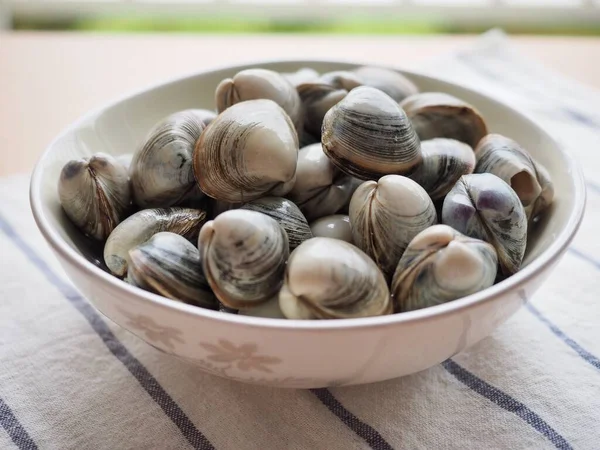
47, 80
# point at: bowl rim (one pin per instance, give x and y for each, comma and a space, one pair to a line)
547, 257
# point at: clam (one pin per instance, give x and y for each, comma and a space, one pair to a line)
444, 162
161, 169
269, 309
249, 151
216, 207
440, 265
317, 98
301, 76
125, 160
434, 114
169, 265
506, 159
483, 206
331, 279
341, 79
386, 215
243, 255
94, 193
389, 81
287, 214
144, 224
367, 135
252, 84
321, 188
336, 226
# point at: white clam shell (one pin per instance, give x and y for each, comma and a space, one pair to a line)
485, 207
386, 215
506, 159
331, 279
287, 214
243, 256
336, 226
367, 135
252, 84
341, 79
95, 194
440, 265
320, 189
301, 76
168, 264
161, 169
444, 162
391, 82
142, 225
231, 154
435, 114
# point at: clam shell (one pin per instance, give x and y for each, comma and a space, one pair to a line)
287, 214
142, 225
506, 159
161, 169
95, 194
331, 279
317, 98
125, 160
229, 159
444, 162
367, 135
386, 215
391, 82
336, 226
434, 114
269, 309
483, 206
320, 189
169, 265
253, 84
301, 76
341, 79
243, 256
440, 265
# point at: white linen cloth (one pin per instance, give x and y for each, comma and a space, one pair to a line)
70, 379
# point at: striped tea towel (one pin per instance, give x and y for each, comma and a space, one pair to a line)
70, 379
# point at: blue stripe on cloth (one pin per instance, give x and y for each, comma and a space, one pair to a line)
15, 430
587, 356
137, 369
506, 402
361, 429
593, 186
585, 257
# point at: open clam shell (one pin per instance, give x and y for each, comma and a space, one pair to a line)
440, 265
435, 114
243, 256
331, 279
386, 215
95, 194
367, 135
229, 158
144, 224
161, 169
485, 207
168, 264
506, 159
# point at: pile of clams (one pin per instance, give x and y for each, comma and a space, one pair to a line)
313, 196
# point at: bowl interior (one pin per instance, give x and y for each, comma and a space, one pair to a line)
120, 127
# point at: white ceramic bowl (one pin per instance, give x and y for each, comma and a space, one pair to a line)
301, 354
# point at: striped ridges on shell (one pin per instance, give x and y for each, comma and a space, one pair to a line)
386, 215
485, 207
95, 194
161, 169
367, 135
169, 265
331, 279
440, 265
229, 158
287, 214
436, 114
444, 162
506, 159
142, 225
253, 84
243, 255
